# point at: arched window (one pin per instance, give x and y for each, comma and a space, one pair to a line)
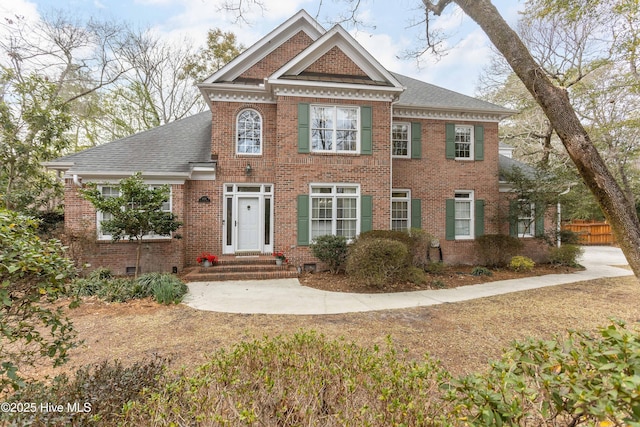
249, 133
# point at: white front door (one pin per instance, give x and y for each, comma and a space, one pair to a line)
248, 228
247, 218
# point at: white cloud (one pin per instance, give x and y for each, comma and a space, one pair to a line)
15, 8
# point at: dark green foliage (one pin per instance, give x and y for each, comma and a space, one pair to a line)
496, 250
584, 379
416, 240
100, 393
569, 237
32, 271
481, 271
302, 380
163, 287
332, 250
565, 255
378, 262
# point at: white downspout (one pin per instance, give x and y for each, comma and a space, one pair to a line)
76, 181
559, 211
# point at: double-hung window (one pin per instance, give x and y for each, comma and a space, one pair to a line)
464, 215
249, 132
464, 142
110, 191
334, 210
400, 139
334, 129
526, 219
400, 210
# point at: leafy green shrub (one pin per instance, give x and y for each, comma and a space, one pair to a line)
495, 250
481, 271
165, 288
377, 262
438, 284
32, 270
521, 263
97, 391
585, 379
302, 380
416, 240
332, 250
569, 237
565, 255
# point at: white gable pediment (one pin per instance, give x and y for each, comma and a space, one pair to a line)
301, 21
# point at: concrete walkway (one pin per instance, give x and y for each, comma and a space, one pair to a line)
287, 296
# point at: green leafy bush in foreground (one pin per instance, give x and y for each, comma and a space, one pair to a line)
580, 379
585, 379
163, 287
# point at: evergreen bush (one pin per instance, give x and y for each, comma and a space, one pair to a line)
495, 250
332, 250
378, 262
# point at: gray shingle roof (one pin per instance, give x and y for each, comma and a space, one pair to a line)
424, 95
165, 149
507, 164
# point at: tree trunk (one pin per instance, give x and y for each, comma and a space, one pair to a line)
138, 251
558, 109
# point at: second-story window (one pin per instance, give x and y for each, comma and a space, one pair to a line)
334, 128
249, 133
400, 137
464, 142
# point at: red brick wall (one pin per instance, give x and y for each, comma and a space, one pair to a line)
335, 61
81, 236
280, 56
434, 178
296, 171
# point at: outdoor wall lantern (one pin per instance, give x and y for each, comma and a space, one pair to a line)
248, 169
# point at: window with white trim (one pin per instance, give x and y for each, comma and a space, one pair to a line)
335, 128
109, 191
400, 139
464, 142
400, 210
249, 132
526, 219
464, 215
334, 210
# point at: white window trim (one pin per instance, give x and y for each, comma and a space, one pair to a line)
334, 144
472, 225
99, 218
259, 153
334, 195
472, 143
407, 199
531, 220
408, 155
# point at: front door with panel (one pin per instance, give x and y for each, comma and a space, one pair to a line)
248, 213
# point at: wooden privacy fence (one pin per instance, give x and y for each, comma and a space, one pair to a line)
591, 232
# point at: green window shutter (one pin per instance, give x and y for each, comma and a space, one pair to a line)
416, 140
416, 213
303, 128
366, 213
303, 220
479, 218
539, 213
450, 227
366, 135
513, 218
479, 142
450, 140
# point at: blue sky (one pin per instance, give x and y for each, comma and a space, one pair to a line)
388, 32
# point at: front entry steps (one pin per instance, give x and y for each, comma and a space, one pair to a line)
241, 267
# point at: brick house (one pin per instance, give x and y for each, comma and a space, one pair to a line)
307, 134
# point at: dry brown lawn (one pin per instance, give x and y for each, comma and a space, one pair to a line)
464, 336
